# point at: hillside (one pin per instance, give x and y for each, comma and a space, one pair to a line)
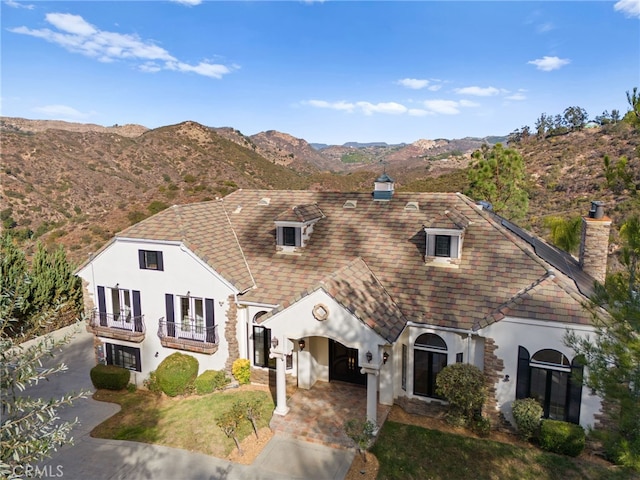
78, 184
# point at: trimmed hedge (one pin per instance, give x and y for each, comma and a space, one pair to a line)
464, 387
210, 380
527, 413
562, 437
109, 377
176, 373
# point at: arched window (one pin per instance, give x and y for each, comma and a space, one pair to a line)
429, 358
554, 381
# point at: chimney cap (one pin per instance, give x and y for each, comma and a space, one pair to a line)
597, 209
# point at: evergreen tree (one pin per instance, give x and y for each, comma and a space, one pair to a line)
497, 175
565, 234
613, 356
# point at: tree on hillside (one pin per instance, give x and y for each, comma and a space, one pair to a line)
497, 175
613, 356
575, 117
633, 98
565, 233
29, 427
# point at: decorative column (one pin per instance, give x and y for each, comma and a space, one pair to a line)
372, 372
281, 380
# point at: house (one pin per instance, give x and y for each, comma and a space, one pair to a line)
381, 289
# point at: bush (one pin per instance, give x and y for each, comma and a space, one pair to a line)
210, 380
527, 413
109, 377
176, 374
481, 426
463, 386
152, 383
561, 437
241, 370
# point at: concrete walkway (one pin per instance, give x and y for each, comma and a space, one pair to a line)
284, 457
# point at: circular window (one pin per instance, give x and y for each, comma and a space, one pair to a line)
320, 312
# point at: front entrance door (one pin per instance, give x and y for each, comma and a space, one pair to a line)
343, 364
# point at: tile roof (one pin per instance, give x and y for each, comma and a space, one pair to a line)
369, 258
300, 213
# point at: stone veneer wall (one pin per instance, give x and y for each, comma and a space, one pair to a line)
230, 334
606, 418
493, 368
267, 376
415, 406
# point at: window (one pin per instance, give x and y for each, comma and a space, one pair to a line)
122, 356
459, 357
429, 358
443, 246
121, 305
261, 347
289, 236
150, 260
553, 381
404, 367
192, 314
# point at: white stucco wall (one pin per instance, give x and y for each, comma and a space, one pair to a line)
510, 333
183, 272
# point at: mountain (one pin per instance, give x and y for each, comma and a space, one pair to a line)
78, 184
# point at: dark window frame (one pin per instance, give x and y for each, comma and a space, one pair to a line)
442, 246
433, 350
289, 236
262, 345
150, 260
114, 356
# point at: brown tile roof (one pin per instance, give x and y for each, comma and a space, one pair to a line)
369, 258
300, 213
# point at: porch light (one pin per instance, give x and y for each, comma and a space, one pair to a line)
369, 356
385, 357
301, 344
506, 378
156, 355
274, 342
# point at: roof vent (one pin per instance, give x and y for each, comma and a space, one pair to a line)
412, 207
238, 209
264, 201
350, 204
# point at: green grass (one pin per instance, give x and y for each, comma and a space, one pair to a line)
188, 423
411, 452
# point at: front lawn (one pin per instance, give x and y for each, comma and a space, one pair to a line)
413, 452
188, 423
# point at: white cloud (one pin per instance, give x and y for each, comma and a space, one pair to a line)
468, 103
478, 91
14, 4
630, 8
413, 83
61, 111
418, 112
190, 3
519, 95
342, 106
445, 107
547, 64
434, 88
545, 27
78, 36
392, 108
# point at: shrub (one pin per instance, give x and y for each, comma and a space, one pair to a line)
241, 370
463, 386
362, 434
176, 374
109, 377
527, 413
210, 380
561, 437
152, 383
481, 426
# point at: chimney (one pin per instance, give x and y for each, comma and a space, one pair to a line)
594, 244
383, 188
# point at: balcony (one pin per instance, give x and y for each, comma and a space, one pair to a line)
120, 327
188, 335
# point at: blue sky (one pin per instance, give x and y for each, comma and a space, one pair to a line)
329, 72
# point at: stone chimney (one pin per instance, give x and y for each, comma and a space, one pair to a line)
594, 244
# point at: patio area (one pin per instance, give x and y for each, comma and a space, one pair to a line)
319, 414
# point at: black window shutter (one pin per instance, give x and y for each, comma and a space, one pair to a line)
137, 311
109, 353
136, 354
160, 261
575, 390
298, 240
279, 236
209, 320
141, 261
102, 306
171, 321
524, 374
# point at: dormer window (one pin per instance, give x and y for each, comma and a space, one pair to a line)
445, 234
294, 227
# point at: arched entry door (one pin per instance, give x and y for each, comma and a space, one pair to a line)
343, 364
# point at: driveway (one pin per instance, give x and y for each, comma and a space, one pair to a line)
97, 459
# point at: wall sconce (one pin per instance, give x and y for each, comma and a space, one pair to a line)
506, 378
369, 356
188, 293
274, 342
117, 285
385, 357
156, 355
221, 302
302, 344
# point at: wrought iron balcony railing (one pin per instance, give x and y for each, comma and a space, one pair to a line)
189, 335
123, 326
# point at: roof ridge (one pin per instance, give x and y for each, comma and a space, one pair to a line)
235, 236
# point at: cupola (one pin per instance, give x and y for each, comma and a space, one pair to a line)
383, 188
